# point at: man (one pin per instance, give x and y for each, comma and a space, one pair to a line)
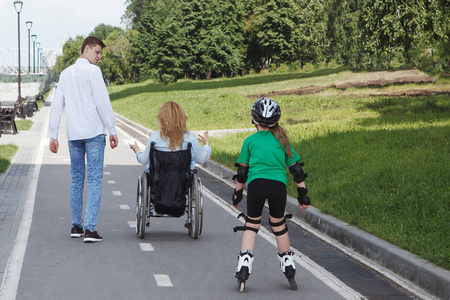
82, 91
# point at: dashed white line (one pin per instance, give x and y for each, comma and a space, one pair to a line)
132, 223
111, 182
117, 193
146, 247
106, 173
162, 280
124, 206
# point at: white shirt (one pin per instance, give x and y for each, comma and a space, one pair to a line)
199, 154
82, 91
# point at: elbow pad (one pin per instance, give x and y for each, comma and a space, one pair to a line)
297, 171
242, 173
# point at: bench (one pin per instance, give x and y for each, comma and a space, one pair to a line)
8, 116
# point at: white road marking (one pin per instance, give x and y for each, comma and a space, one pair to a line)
124, 206
106, 173
129, 139
132, 224
319, 272
111, 182
117, 193
162, 280
146, 247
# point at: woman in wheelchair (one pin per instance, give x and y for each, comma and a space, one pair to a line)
173, 135
170, 185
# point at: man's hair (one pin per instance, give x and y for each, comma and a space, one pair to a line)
92, 41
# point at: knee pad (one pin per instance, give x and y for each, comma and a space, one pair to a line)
278, 233
297, 172
242, 173
247, 220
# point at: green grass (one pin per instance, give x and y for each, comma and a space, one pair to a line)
7, 152
23, 124
379, 163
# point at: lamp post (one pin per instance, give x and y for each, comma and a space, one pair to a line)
37, 57
29, 24
34, 37
40, 60
18, 6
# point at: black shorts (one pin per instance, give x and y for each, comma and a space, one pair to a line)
261, 189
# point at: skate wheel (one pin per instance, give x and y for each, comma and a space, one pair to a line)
241, 286
292, 284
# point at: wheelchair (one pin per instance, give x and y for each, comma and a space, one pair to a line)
170, 189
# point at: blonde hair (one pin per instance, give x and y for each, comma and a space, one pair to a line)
172, 123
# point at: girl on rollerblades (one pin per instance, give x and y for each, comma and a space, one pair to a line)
262, 164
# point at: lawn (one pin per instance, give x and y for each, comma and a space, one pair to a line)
379, 163
7, 152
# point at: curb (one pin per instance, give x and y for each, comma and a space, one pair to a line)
433, 279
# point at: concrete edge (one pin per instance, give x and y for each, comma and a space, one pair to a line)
137, 126
424, 274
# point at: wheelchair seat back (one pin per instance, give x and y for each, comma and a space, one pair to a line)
169, 179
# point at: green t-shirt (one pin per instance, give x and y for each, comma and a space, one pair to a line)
266, 158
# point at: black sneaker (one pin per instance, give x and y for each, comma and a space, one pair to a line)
92, 237
76, 232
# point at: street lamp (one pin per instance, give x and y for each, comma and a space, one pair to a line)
37, 57
41, 54
18, 6
29, 24
34, 37
42, 59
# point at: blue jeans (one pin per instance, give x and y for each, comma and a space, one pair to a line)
93, 149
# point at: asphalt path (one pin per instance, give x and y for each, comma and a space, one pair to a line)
167, 263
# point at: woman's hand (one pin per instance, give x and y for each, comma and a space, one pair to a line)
204, 138
134, 147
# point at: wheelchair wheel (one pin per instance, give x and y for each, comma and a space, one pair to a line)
138, 205
141, 206
200, 201
196, 208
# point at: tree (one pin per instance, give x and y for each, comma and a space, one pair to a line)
71, 52
342, 33
102, 31
270, 33
116, 59
160, 47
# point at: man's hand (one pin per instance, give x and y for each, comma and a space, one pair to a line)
53, 145
113, 141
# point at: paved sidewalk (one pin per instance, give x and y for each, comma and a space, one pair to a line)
14, 185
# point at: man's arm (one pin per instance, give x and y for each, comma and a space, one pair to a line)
55, 117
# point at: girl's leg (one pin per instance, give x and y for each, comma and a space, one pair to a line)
283, 242
249, 236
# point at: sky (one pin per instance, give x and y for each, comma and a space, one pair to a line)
55, 21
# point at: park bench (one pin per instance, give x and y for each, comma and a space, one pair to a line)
8, 115
29, 107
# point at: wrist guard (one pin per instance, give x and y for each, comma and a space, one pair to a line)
238, 195
303, 198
